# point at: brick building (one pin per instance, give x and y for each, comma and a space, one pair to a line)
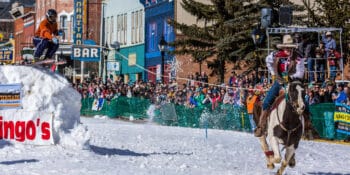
23, 15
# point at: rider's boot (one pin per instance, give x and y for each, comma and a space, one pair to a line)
261, 128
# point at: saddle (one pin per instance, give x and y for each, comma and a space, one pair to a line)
277, 101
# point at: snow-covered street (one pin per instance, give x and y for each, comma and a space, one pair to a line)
118, 147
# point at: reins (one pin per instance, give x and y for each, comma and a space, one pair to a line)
289, 131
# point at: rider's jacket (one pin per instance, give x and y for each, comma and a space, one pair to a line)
283, 63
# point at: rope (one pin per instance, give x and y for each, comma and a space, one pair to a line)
285, 93
289, 131
180, 78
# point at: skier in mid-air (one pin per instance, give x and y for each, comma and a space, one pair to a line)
46, 37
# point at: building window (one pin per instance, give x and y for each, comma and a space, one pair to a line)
64, 26
168, 30
132, 27
122, 29
140, 34
152, 37
71, 26
119, 29
111, 30
107, 30
125, 27
136, 26
132, 59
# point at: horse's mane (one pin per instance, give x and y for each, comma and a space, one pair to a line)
293, 57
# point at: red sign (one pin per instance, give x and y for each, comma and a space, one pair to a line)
32, 127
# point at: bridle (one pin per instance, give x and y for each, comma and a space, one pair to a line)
293, 105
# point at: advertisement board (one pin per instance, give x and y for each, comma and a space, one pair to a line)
10, 96
29, 127
342, 118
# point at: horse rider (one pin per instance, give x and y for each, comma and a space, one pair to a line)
283, 65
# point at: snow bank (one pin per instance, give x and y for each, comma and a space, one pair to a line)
48, 92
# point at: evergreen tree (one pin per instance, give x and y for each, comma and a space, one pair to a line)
226, 33
330, 13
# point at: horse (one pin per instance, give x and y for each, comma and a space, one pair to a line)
285, 126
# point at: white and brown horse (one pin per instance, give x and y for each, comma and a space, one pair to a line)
285, 126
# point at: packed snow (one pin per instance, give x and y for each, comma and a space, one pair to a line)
119, 147
45, 91
99, 145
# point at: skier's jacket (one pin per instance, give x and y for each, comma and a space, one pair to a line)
46, 30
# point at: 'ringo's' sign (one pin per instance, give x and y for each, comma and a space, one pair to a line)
30, 127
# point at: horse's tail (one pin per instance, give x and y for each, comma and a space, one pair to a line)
257, 111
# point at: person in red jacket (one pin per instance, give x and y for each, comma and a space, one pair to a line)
46, 36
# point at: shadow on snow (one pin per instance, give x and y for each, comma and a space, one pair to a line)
4, 143
12, 162
114, 151
327, 173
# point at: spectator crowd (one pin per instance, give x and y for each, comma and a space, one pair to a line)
197, 93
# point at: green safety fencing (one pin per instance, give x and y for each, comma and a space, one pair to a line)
223, 117
118, 107
323, 121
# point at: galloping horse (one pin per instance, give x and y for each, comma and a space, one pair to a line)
285, 126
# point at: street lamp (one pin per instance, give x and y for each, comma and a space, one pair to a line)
162, 46
106, 50
257, 37
105, 56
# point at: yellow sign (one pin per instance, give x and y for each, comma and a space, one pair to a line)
10, 96
342, 117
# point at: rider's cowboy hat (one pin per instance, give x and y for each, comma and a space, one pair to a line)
287, 42
328, 34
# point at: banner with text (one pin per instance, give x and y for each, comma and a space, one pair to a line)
78, 21
10, 96
342, 118
6, 54
29, 127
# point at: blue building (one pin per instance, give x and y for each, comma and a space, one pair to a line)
157, 13
125, 24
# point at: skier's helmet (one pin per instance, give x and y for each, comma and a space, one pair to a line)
51, 15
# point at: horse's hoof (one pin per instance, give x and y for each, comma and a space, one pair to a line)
292, 163
270, 166
276, 160
279, 172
